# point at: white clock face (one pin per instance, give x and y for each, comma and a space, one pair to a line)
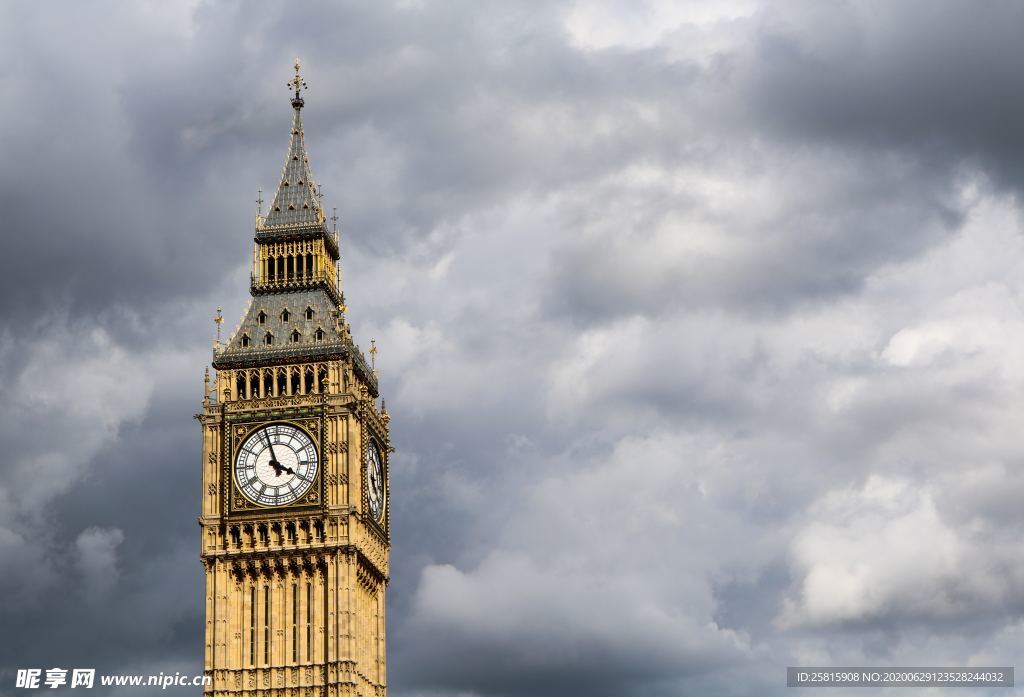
276, 465
374, 481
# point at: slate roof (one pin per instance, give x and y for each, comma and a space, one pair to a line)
283, 349
296, 203
273, 306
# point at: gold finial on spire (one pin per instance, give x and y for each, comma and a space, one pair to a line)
218, 320
297, 84
373, 356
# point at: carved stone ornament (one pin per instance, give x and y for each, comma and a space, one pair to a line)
276, 402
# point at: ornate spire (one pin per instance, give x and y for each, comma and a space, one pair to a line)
296, 203
298, 84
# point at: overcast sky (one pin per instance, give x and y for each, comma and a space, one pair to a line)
700, 326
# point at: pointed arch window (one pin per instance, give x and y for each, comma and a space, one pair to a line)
266, 625
285, 315
268, 339
252, 625
309, 313
261, 317
295, 622
296, 336
245, 340
309, 621
319, 335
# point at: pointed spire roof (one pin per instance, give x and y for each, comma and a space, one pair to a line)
296, 203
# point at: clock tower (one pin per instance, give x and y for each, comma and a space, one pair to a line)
295, 511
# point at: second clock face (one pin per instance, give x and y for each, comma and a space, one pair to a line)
374, 481
276, 465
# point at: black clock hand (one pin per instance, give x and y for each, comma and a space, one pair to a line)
273, 457
284, 468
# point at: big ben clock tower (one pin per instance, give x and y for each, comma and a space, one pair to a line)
295, 508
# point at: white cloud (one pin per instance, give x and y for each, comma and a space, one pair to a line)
636, 25
67, 400
711, 453
589, 554
884, 553
863, 556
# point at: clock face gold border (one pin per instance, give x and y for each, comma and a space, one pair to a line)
241, 501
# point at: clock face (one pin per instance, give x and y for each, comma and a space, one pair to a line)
276, 465
374, 481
